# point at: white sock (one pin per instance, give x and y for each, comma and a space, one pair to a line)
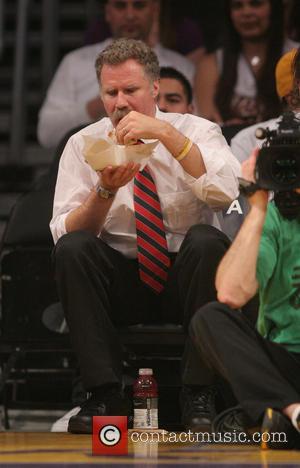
295, 416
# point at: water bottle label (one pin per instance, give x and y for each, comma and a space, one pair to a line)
145, 413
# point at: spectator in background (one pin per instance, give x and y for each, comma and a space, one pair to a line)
236, 84
99, 29
245, 141
73, 96
175, 92
174, 25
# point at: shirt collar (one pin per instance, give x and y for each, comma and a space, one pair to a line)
159, 114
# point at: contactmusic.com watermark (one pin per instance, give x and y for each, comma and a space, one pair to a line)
208, 437
111, 436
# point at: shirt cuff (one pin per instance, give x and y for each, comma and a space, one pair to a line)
58, 227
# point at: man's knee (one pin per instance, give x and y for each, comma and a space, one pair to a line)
72, 244
208, 317
203, 315
203, 238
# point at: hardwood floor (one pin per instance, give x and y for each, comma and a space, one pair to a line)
63, 449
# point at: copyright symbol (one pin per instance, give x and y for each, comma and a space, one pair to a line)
109, 435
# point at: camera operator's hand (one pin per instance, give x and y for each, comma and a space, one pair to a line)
260, 197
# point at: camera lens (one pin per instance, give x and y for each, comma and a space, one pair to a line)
285, 170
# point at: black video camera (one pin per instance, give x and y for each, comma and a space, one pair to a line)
278, 162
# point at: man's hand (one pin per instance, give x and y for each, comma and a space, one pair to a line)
260, 198
135, 126
114, 177
91, 215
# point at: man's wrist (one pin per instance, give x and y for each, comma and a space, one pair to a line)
184, 150
247, 187
104, 192
257, 214
165, 130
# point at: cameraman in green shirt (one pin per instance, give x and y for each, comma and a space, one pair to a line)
261, 366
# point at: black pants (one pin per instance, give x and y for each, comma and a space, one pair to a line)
100, 291
261, 373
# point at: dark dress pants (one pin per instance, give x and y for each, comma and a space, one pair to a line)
261, 373
100, 291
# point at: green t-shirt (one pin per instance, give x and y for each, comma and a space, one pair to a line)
278, 275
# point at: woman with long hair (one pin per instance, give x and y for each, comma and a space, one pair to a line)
235, 84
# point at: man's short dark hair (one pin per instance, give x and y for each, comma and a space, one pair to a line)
121, 50
170, 72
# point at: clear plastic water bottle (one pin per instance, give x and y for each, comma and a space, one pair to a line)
145, 401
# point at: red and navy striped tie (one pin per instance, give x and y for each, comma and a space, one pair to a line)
153, 257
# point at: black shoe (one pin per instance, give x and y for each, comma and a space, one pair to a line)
198, 407
233, 421
277, 431
112, 404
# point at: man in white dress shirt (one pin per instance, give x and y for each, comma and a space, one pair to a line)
94, 227
73, 96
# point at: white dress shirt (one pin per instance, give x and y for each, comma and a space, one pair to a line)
75, 83
244, 142
185, 201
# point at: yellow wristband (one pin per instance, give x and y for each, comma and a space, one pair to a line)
186, 148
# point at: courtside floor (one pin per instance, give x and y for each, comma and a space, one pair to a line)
23, 449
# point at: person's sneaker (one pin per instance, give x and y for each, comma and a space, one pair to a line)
198, 407
112, 404
277, 431
234, 421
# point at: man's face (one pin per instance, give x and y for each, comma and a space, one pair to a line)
172, 97
132, 19
124, 88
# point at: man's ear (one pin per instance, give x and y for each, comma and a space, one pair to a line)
155, 88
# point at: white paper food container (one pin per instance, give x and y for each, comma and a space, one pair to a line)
100, 153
